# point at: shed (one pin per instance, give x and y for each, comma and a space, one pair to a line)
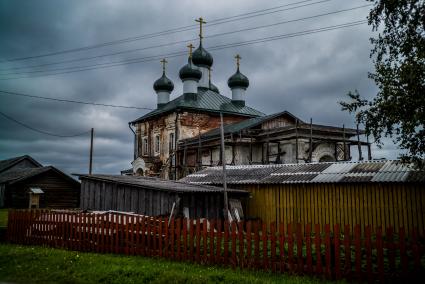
376, 193
153, 196
55, 189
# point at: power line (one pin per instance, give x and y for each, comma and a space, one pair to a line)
42, 131
71, 101
175, 30
180, 41
177, 54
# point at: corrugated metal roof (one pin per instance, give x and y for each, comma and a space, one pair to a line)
157, 184
344, 172
206, 100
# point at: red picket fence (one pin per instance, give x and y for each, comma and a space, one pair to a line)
334, 253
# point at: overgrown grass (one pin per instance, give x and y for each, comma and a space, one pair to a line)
25, 264
3, 217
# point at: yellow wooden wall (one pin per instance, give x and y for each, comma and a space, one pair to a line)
376, 204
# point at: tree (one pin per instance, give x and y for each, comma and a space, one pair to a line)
398, 109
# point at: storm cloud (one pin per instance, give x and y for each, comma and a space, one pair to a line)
304, 75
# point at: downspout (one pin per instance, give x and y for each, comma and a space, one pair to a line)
135, 154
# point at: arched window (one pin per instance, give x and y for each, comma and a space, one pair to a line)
326, 158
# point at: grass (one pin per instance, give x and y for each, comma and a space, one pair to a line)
3, 217
26, 264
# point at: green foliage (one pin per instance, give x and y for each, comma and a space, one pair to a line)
21, 264
398, 109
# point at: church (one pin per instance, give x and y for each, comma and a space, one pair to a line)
182, 135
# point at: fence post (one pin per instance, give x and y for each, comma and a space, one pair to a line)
191, 240
273, 246
211, 240
282, 247
347, 245
318, 248
415, 251
218, 247
198, 241
204, 240
226, 242
248, 244
328, 251
380, 254
256, 244
358, 254
234, 259
390, 248
308, 248
178, 238
337, 251
403, 255
265, 246
184, 227
166, 238
368, 245
290, 248
241, 244
299, 237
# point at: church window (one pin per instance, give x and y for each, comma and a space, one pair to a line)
157, 143
145, 146
171, 142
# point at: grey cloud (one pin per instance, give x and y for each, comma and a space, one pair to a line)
305, 75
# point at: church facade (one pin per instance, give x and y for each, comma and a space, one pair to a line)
182, 135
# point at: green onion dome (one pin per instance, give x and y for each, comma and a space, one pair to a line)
202, 58
163, 84
238, 80
190, 71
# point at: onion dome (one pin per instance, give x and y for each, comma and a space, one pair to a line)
238, 80
190, 72
163, 84
202, 58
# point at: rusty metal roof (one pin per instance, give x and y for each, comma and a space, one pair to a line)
334, 172
157, 184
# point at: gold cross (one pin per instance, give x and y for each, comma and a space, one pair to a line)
200, 21
190, 49
238, 58
163, 61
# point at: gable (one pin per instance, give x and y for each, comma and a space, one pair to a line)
18, 163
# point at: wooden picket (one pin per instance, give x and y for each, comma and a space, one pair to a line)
324, 251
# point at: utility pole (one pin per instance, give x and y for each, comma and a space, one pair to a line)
223, 159
91, 151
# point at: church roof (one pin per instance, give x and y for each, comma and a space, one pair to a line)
206, 101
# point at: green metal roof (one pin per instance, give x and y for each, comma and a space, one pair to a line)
207, 101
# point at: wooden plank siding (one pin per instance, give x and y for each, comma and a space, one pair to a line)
104, 195
375, 204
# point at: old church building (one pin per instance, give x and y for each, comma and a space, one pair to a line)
182, 134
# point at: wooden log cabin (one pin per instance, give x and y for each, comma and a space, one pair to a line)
40, 187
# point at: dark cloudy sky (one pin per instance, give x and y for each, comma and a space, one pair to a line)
305, 75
